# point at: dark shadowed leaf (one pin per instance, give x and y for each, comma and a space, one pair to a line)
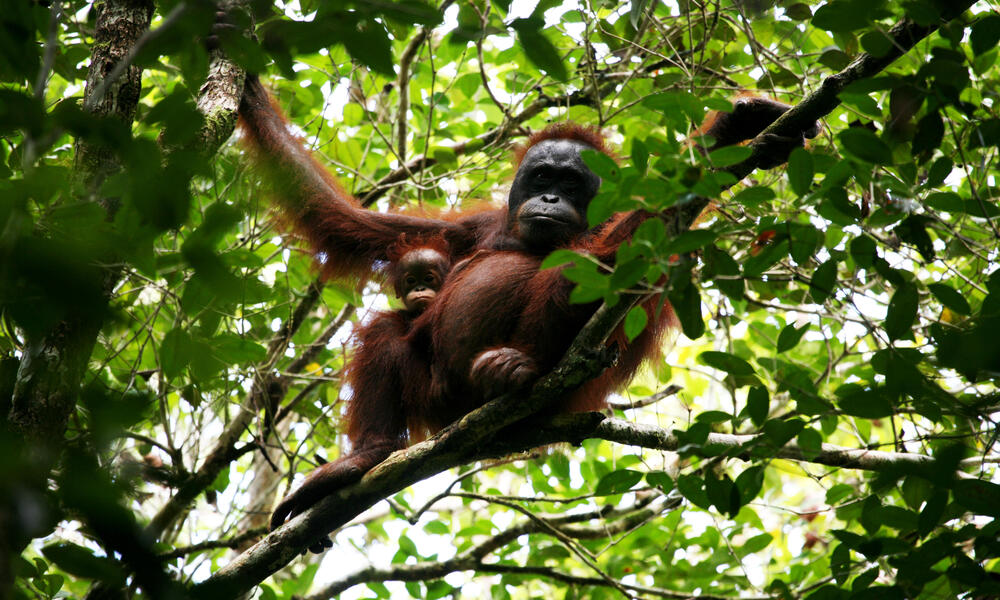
79, 561
758, 405
800, 170
902, 312
947, 296
981, 497
823, 281
985, 33
617, 482
790, 336
865, 145
724, 361
538, 48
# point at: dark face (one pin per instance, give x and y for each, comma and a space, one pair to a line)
420, 274
547, 205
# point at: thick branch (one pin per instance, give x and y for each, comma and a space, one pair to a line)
453, 446
219, 97
53, 366
569, 428
904, 36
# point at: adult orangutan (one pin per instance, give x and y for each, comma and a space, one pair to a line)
498, 322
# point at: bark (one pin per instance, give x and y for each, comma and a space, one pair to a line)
53, 366
47, 383
120, 24
219, 97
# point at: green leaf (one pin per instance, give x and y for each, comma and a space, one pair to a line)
437, 528
798, 12
790, 336
840, 15
802, 243
749, 483
933, 511
869, 515
661, 480
368, 42
800, 171
864, 403
902, 312
729, 155
723, 494
724, 272
601, 164
876, 43
687, 306
538, 48
985, 33
692, 487
752, 196
862, 249
838, 493
174, 352
986, 134
823, 281
929, 134
913, 230
834, 59
640, 156
780, 432
810, 442
979, 496
410, 12
617, 482
771, 254
865, 145
724, 361
562, 257
445, 156
81, 562
635, 12
635, 322
758, 405
233, 349
690, 241
628, 274
950, 298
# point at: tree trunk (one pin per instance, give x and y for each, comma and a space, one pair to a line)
48, 379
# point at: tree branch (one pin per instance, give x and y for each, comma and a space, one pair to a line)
904, 36
624, 520
576, 427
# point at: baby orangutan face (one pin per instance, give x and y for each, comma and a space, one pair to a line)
419, 276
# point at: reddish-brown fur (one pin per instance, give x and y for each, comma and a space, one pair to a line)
752, 114
496, 301
387, 377
565, 130
499, 298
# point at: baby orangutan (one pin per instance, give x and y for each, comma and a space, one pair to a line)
382, 398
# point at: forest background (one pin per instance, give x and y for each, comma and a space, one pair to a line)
823, 426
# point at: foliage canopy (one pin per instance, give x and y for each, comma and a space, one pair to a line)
166, 356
